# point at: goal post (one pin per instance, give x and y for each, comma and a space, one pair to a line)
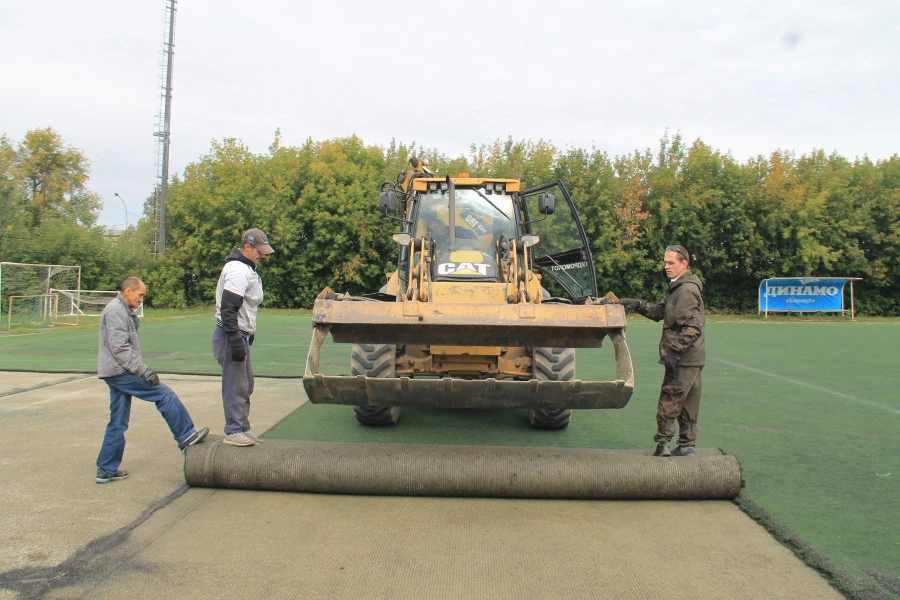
86, 303
34, 280
29, 282
33, 310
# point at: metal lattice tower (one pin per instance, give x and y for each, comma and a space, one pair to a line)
163, 119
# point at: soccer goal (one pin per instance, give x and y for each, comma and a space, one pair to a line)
37, 310
86, 303
26, 295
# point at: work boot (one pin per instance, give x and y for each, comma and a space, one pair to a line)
683, 451
662, 449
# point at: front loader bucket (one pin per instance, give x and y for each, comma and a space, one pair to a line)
546, 325
462, 324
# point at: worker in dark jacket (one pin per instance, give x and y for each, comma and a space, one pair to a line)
682, 350
239, 293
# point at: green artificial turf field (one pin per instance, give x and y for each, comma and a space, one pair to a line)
809, 408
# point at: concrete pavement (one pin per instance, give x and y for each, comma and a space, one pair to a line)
149, 535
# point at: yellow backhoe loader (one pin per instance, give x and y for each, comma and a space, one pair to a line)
466, 320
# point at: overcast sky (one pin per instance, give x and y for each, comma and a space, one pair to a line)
745, 77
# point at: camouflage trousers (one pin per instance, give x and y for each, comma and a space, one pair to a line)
679, 400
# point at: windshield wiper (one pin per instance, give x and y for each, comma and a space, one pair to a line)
491, 203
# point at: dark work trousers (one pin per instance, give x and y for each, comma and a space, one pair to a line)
679, 400
237, 383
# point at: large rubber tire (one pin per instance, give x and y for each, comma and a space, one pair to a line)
552, 364
374, 360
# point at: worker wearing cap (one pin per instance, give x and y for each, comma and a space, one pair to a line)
682, 350
239, 293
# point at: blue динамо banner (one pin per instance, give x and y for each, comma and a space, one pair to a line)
802, 293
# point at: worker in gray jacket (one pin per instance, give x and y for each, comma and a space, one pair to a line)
682, 350
121, 365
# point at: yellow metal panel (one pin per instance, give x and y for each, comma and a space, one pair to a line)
467, 293
461, 322
471, 350
461, 256
393, 283
420, 184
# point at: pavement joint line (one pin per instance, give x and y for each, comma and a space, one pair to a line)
89, 562
15, 391
812, 386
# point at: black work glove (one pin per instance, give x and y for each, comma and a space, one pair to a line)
670, 360
250, 339
151, 377
631, 303
238, 350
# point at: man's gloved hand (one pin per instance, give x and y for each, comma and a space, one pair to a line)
250, 339
151, 377
631, 303
238, 350
671, 362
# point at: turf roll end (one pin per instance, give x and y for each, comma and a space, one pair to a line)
461, 471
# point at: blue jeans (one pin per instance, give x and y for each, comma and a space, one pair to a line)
121, 389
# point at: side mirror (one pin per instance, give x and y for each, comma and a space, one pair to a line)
546, 203
387, 201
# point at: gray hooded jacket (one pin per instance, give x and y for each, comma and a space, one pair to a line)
119, 347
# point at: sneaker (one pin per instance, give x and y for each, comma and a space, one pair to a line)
683, 451
238, 439
198, 437
662, 449
252, 436
104, 477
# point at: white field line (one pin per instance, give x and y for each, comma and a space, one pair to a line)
818, 388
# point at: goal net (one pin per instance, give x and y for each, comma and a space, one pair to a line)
32, 284
86, 303
31, 311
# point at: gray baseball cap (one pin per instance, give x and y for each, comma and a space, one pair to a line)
257, 239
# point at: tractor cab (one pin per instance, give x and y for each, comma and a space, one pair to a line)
472, 224
478, 221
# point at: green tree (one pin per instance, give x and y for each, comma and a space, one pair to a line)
14, 223
530, 162
208, 209
710, 221
346, 244
771, 216
53, 177
875, 190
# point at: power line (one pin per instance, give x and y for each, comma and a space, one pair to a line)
122, 154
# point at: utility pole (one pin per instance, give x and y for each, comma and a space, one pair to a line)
163, 131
